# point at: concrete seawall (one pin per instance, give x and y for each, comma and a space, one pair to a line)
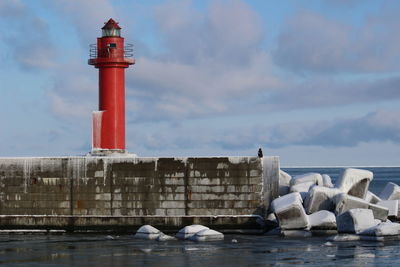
121, 194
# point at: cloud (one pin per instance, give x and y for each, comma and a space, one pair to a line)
382, 126
86, 16
74, 93
310, 42
26, 36
327, 92
378, 126
210, 59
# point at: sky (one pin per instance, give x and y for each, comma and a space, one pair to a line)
315, 82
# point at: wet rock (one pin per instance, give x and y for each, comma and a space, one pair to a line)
296, 233
290, 212
147, 232
391, 205
320, 198
383, 229
318, 232
355, 221
390, 192
372, 198
327, 181
275, 231
189, 231
284, 183
354, 182
271, 221
322, 220
313, 177
207, 235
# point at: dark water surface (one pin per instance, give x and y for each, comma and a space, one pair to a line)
235, 250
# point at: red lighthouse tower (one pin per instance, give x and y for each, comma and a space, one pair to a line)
111, 57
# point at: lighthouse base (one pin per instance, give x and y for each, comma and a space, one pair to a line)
110, 153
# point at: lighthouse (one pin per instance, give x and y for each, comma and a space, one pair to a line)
111, 56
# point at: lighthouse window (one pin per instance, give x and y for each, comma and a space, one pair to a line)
112, 45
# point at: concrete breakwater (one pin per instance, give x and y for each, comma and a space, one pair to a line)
123, 193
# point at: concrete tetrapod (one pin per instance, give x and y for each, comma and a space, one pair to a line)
290, 212
355, 221
320, 198
390, 192
345, 202
392, 206
322, 220
354, 182
302, 188
383, 229
327, 180
313, 177
372, 198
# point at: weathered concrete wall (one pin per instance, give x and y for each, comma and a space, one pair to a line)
101, 192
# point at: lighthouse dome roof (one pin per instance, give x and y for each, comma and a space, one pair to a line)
111, 24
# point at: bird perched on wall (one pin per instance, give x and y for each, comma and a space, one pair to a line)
260, 153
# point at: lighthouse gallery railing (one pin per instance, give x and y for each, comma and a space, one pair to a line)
111, 52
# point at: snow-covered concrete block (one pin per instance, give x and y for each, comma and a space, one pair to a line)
322, 220
391, 205
380, 212
313, 177
354, 182
355, 221
344, 238
327, 181
290, 212
207, 235
164, 237
383, 229
148, 232
275, 231
284, 182
372, 198
190, 230
350, 237
320, 198
345, 202
390, 192
301, 188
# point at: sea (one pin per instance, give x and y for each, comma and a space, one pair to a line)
235, 250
